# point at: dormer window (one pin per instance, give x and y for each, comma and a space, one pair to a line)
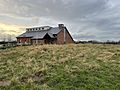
29, 29
39, 28
42, 28
55, 35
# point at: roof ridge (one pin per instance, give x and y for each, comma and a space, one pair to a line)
52, 30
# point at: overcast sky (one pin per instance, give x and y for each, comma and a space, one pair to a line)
85, 19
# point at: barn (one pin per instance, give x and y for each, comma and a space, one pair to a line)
45, 35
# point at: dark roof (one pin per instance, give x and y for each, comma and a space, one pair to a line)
40, 34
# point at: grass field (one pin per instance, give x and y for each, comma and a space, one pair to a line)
60, 67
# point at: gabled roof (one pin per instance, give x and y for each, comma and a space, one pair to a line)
40, 34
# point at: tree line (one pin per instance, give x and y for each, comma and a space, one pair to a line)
97, 42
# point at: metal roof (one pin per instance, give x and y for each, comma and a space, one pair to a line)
40, 34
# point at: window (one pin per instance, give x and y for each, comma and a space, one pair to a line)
20, 41
27, 29
36, 29
55, 35
42, 28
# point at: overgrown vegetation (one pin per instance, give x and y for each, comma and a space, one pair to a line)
60, 67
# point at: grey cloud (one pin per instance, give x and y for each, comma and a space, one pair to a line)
85, 37
53, 8
88, 19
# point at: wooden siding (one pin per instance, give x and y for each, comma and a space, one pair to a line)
38, 42
24, 40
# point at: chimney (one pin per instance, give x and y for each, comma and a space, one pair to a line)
61, 26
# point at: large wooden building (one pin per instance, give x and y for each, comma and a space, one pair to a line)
46, 35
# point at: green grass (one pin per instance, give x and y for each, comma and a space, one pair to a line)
60, 67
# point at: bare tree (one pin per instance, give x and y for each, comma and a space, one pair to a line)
9, 38
4, 38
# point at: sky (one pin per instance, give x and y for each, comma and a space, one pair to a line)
85, 19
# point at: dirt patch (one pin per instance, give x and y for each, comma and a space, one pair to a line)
5, 83
37, 76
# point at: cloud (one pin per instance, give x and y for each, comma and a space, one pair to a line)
8, 29
53, 8
85, 19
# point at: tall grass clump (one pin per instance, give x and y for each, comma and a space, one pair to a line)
60, 67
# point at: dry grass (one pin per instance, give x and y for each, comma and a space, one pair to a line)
56, 67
